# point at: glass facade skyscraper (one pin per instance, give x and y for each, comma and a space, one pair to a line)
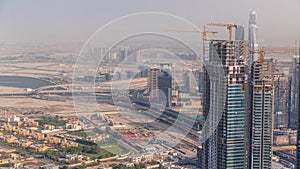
294, 94
252, 37
261, 126
160, 80
298, 128
225, 93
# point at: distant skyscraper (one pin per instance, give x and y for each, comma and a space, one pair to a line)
201, 82
160, 80
294, 94
252, 37
240, 33
298, 128
102, 52
165, 85
226, 147
123, 53
187, 82
282, 101
283, 94
191, 81
153, 81
261, 87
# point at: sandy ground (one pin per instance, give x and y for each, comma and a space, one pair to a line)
36, 69
13, 104
21, 105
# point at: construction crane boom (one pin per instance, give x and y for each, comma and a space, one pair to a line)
264, 51
204, 32
229, 27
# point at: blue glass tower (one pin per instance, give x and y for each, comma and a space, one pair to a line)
226, 147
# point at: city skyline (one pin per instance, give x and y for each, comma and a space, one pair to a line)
155, 84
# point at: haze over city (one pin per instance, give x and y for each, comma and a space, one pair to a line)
72, 20
149, 84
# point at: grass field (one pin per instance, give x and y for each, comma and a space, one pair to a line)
116, 150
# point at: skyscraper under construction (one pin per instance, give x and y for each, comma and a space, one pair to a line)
298, 125
224, 104
261, 92
261, 109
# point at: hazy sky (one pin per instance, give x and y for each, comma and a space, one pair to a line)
76, 20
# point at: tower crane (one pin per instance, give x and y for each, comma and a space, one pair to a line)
264, 51
229, 27
204, 32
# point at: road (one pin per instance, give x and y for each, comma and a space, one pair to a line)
286, 157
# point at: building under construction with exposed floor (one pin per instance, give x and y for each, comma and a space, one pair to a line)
261, 109
225, 104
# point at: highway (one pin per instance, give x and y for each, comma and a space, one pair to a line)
103, 94
286, 157
169, 117
115, 135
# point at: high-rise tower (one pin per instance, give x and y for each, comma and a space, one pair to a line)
261, 108
224, 96
294, 93
160, 84
153, 81
240, 33
252, 37
298, 128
